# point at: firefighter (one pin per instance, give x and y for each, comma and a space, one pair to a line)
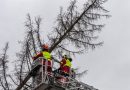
46, 55
65, 65
64, 70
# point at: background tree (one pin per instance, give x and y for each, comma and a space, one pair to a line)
31, 44
4, 76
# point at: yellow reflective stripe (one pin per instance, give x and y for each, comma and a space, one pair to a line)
46, 55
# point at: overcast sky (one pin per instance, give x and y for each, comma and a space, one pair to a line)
108, 66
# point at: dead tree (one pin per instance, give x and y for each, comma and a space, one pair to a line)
31, 44
74, 28
4, 83
78, 28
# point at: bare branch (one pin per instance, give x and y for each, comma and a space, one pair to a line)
38, 22
3, 62
79, 27
29, 25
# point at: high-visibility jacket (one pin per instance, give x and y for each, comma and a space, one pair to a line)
65, 62
46, 55
68, 63
65, 66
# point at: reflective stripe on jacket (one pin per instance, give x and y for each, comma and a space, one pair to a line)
46, 55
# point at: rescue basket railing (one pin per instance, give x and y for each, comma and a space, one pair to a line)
43, 76
41, 65
67, 82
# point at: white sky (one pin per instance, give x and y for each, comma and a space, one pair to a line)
109, 66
